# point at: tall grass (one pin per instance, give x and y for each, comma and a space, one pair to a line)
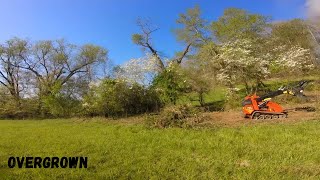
262, 151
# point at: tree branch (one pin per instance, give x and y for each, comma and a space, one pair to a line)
4, 77
75, 71
185, 52
3, 84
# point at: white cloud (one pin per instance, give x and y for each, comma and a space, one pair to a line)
313, 8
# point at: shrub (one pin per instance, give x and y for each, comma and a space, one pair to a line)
11, 109
233, 100
60, 105
117, 98
170, 84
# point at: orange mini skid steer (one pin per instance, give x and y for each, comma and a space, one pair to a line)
261, 107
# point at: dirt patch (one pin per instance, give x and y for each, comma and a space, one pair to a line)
236, 118
232, 118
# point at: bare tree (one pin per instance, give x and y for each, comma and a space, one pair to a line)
144, 40
192, 34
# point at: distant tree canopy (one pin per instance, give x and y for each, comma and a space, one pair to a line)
47, 69
238, 23
292, 33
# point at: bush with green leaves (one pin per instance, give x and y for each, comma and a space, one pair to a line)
10, 108
116, 98
170, 84
61, 105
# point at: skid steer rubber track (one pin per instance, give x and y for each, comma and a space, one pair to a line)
268, 115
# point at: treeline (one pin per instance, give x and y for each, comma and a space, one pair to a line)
54, 78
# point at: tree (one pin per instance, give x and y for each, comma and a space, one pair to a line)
238, 23
192, 31
292, 33
199, 78
144, 40
11, 54
238, 62
55, 63
51, 75
293, 61
298, 33
141, 70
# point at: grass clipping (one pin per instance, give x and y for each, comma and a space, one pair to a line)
182, 116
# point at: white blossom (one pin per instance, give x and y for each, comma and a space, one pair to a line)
141, 70
295, 59
237, 60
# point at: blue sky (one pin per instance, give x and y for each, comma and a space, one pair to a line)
110, 23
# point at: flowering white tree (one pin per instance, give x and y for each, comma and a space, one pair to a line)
242, 61
141, 70
237, 61
295, 59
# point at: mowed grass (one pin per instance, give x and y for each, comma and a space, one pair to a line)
122, 151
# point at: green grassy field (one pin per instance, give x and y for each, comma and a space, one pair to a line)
114, 150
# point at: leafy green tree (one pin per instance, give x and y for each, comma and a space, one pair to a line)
11, 75
54, 64
292, 33
237, 62
199, 79
238, 23
193, 31
170, 84
298, 33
